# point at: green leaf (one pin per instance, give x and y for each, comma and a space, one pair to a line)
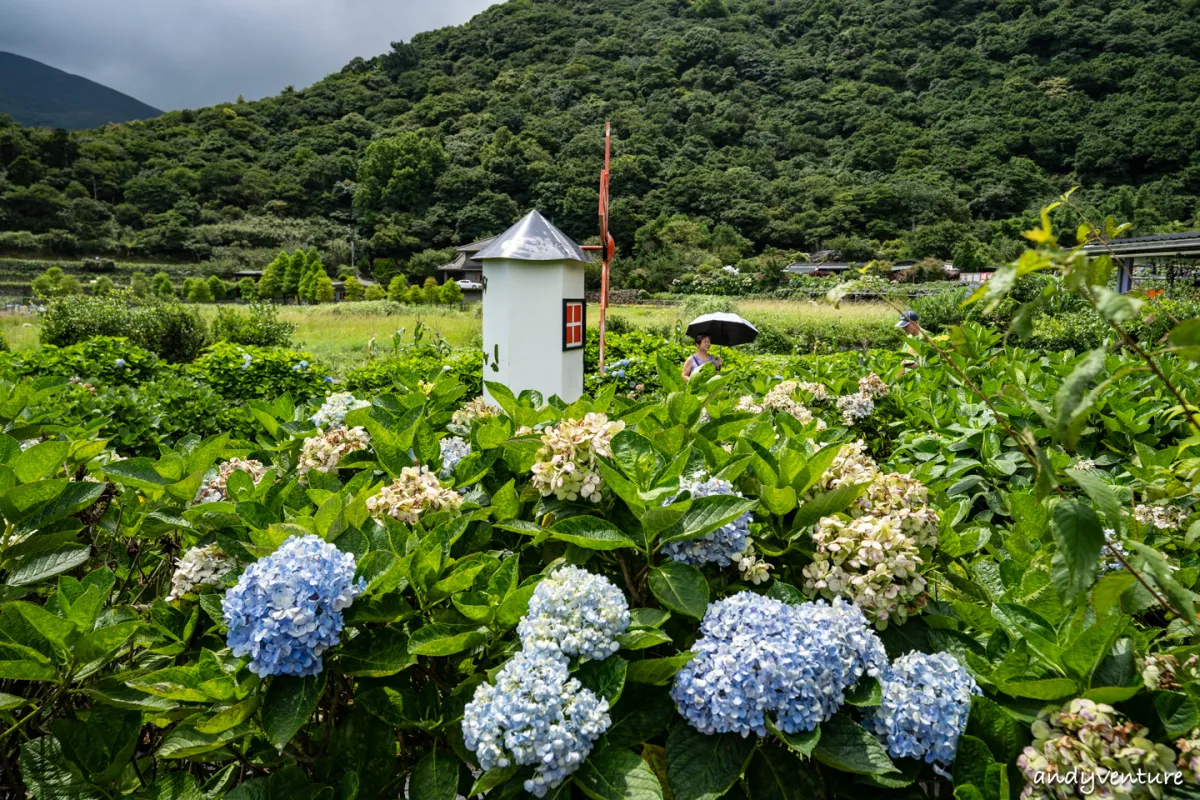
435, 777
605, 678
656, 671
229, 717
376, 653
1047, 689
40, 460
73, 498
505, 504
288, 783
971, 761
778, 501
289, 702
440, 639
800, 743
701, 767
847, 746
46, 775
776, 774
826, 504
990, 722
681, 588
57, 630
591, 533
1068, 403
497, 776
40, 566
707, 514
102, 643
1102, 495
1080, 538
642, 638
614, 773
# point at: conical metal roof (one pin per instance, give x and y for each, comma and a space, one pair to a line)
534, 238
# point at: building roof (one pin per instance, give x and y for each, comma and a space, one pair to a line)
534, 238
248, 273
475, 247
1184, 245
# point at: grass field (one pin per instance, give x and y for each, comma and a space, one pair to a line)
341, 334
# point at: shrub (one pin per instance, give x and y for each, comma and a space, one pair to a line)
248, 289
199, 291
397, 290
103, 286
941, 310
450, 293
242, 372
108, 359
323, 290
217, 287
376, 292
139, 284
699, 305
55, 283
260, 326
419, 362
161, 285
176, 333
772, 340
354, 289
1078, 331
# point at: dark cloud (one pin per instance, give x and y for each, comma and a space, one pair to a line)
191, 53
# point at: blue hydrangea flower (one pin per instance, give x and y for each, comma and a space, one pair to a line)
333, 411
535, 715
454, 450
620, 373
120, 362
575, 613
723, 545
300, 366
286, 609
926, 700
758, 657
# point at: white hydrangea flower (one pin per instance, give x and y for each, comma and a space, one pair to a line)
200, 566
818, 391
476, 410
324, 451
1084, 464
454, 450
780, 398
753, 569
213, 488
566, 463
855, 407
1164, 518
335, 408
873, 385
415, 493
852, 465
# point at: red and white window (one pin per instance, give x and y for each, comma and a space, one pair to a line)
574, 322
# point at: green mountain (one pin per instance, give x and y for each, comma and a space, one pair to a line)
40, 96
897, 128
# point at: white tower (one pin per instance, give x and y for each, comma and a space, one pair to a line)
533, 309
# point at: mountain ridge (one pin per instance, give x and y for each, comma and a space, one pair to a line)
39, 95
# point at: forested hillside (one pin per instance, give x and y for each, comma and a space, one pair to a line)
887, 127
36, 94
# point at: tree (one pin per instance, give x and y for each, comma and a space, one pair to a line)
450, 293
248, 289
376, 292
69, 285
291, 277
217, 287
270, 285
415, 297
103, 286
162, 285
200, 293
323, 292
186, 290
398, 173
429, 292
355, 290
397, 290
384, 269
313, 270
139, 284
53, 283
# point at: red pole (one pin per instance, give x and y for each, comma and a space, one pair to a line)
605, 239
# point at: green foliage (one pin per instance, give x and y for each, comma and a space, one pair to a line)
55, 283
200, 292
268, 372
323, 289
354, 289
397, 289
259, 326
102, 359
162, 286
375, 292
103, 286
450, 292
247, 290
217, 287
174, 332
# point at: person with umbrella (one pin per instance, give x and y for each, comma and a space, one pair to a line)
720, 328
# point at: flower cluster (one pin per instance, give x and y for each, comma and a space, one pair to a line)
286, 609
873, 385
724, 545
855, 407
1084, 464
323, 453
1089, 741
566, 463
780, 398
817, 391
536, 714
77, 381
213, 488
200, 566
1164, 518
872, 554
415, 493
758, 656
475, 411
1163, 671
333, 411
575, 613
454, 450
871, 561
1189, 755
753, 569
926, 700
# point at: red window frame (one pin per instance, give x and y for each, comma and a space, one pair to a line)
574, 324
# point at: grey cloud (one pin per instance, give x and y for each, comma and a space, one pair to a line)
191, 53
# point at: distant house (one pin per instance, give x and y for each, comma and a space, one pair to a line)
254, 274
465, 265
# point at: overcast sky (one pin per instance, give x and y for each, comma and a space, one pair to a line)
191, 53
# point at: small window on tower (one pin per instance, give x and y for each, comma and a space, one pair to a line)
574, 322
